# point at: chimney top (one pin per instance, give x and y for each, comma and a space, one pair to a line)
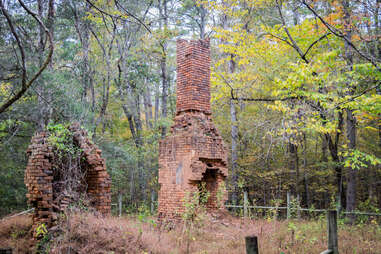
193, 76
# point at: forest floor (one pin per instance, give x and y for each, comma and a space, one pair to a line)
88, 233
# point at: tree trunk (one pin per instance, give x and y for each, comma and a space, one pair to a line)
333, 149
138, 121
234, 152
377, 49
157, 105
203, 12
163, 63
350, 119
324, 146
294, 165
152, 202
43, 92
148, 107
120, 196
40, 89
164, 94
82, 28
132, 187
134, 120
86, 66
352, 173
305, 176
377, 30
106, 80
141, 169
379, 117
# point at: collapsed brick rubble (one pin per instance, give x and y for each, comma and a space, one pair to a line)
40, 178
194, 151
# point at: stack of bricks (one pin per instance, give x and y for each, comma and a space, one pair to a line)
39, 177
38, 180
193, 76
97, 179
194, 151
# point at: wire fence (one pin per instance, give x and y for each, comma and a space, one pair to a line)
298, 209
291, 210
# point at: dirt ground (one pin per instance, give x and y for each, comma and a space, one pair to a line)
208, 234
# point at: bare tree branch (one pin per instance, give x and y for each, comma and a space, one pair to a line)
358, 95
26, 84
311, 46
293, 42
265, 99
119, 17
281, 39
235, 98
339, 34
21, 48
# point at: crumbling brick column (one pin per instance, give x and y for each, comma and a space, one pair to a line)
194, 151
39, 177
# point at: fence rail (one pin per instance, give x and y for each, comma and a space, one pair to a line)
246, 208
300, 209
290, 208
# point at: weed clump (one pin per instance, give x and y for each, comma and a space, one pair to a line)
69, 169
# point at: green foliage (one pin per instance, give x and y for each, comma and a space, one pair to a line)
194, 214
61, 138
311, 85
14, 140
144, 214
220, 195
41, 230
294, 206
195, 204
43, 245
81, 204
18, 234
273, 213
367, 205
356, 159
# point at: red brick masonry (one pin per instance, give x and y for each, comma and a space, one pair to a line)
39, 177
194, 151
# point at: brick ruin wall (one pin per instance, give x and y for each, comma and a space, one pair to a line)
194, 151
39, 177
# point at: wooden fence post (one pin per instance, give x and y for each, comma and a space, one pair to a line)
245, 204
288, 205
332, 231
251, 244
120, 204
298, 207
338, 205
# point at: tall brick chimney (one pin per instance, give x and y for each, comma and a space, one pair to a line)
193, 76
194, 152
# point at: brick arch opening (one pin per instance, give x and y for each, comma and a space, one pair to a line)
45, 183
211, 186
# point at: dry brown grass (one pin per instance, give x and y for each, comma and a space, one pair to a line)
88, 233
14, 233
